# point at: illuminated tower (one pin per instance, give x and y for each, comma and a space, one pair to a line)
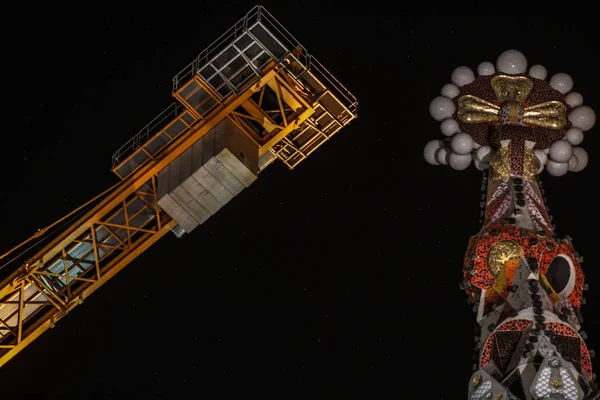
525, 283
252, 97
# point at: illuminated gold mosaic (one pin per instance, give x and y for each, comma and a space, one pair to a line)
511, 88
512, 91
500, 165
531, 165
502, 251
473, 110
500, 281
551, 115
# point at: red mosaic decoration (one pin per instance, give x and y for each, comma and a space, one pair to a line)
470, 248
518, 325
586, 360
499, 193
500, 199
537, 210
515, 325
560, 328
473, 292
539, 247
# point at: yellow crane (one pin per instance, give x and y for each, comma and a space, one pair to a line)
252, 97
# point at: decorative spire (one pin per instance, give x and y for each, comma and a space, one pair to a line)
524, 283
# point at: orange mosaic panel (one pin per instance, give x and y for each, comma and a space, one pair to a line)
542, 248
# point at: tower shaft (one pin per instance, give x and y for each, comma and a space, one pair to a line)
526, 285
524, 282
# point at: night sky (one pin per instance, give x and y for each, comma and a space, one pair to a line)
338, 278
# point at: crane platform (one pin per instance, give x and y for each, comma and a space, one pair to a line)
252, 97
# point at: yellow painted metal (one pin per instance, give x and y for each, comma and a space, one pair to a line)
32, 297
302, 110
285, 131
54, 315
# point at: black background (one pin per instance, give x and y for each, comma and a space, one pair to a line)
337, 278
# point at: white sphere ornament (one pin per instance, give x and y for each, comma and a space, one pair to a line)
450, 90
582, 158
573, 162
538, 71
541, 156
441, 155
574, 99
429, 151
582, 117
511, 62
574, 136
486, 68
462, 76
561, 82
557, 168
449, 127
560, 151
541, 168
459, 161
462, 143
481, 166
441, 108
483, 154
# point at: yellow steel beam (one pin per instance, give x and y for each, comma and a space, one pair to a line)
268, 69
50, 319
51, 294
140, 177
285, 94
258, 115
33, 277
285, 131
288, 95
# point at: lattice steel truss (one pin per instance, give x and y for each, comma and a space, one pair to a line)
72, 267
259, 78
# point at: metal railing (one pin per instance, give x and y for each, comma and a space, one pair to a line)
256, 14
293, 49
333, 84
146, 132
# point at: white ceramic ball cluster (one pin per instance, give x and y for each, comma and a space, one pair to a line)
565, 155
459, 150
459, 153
